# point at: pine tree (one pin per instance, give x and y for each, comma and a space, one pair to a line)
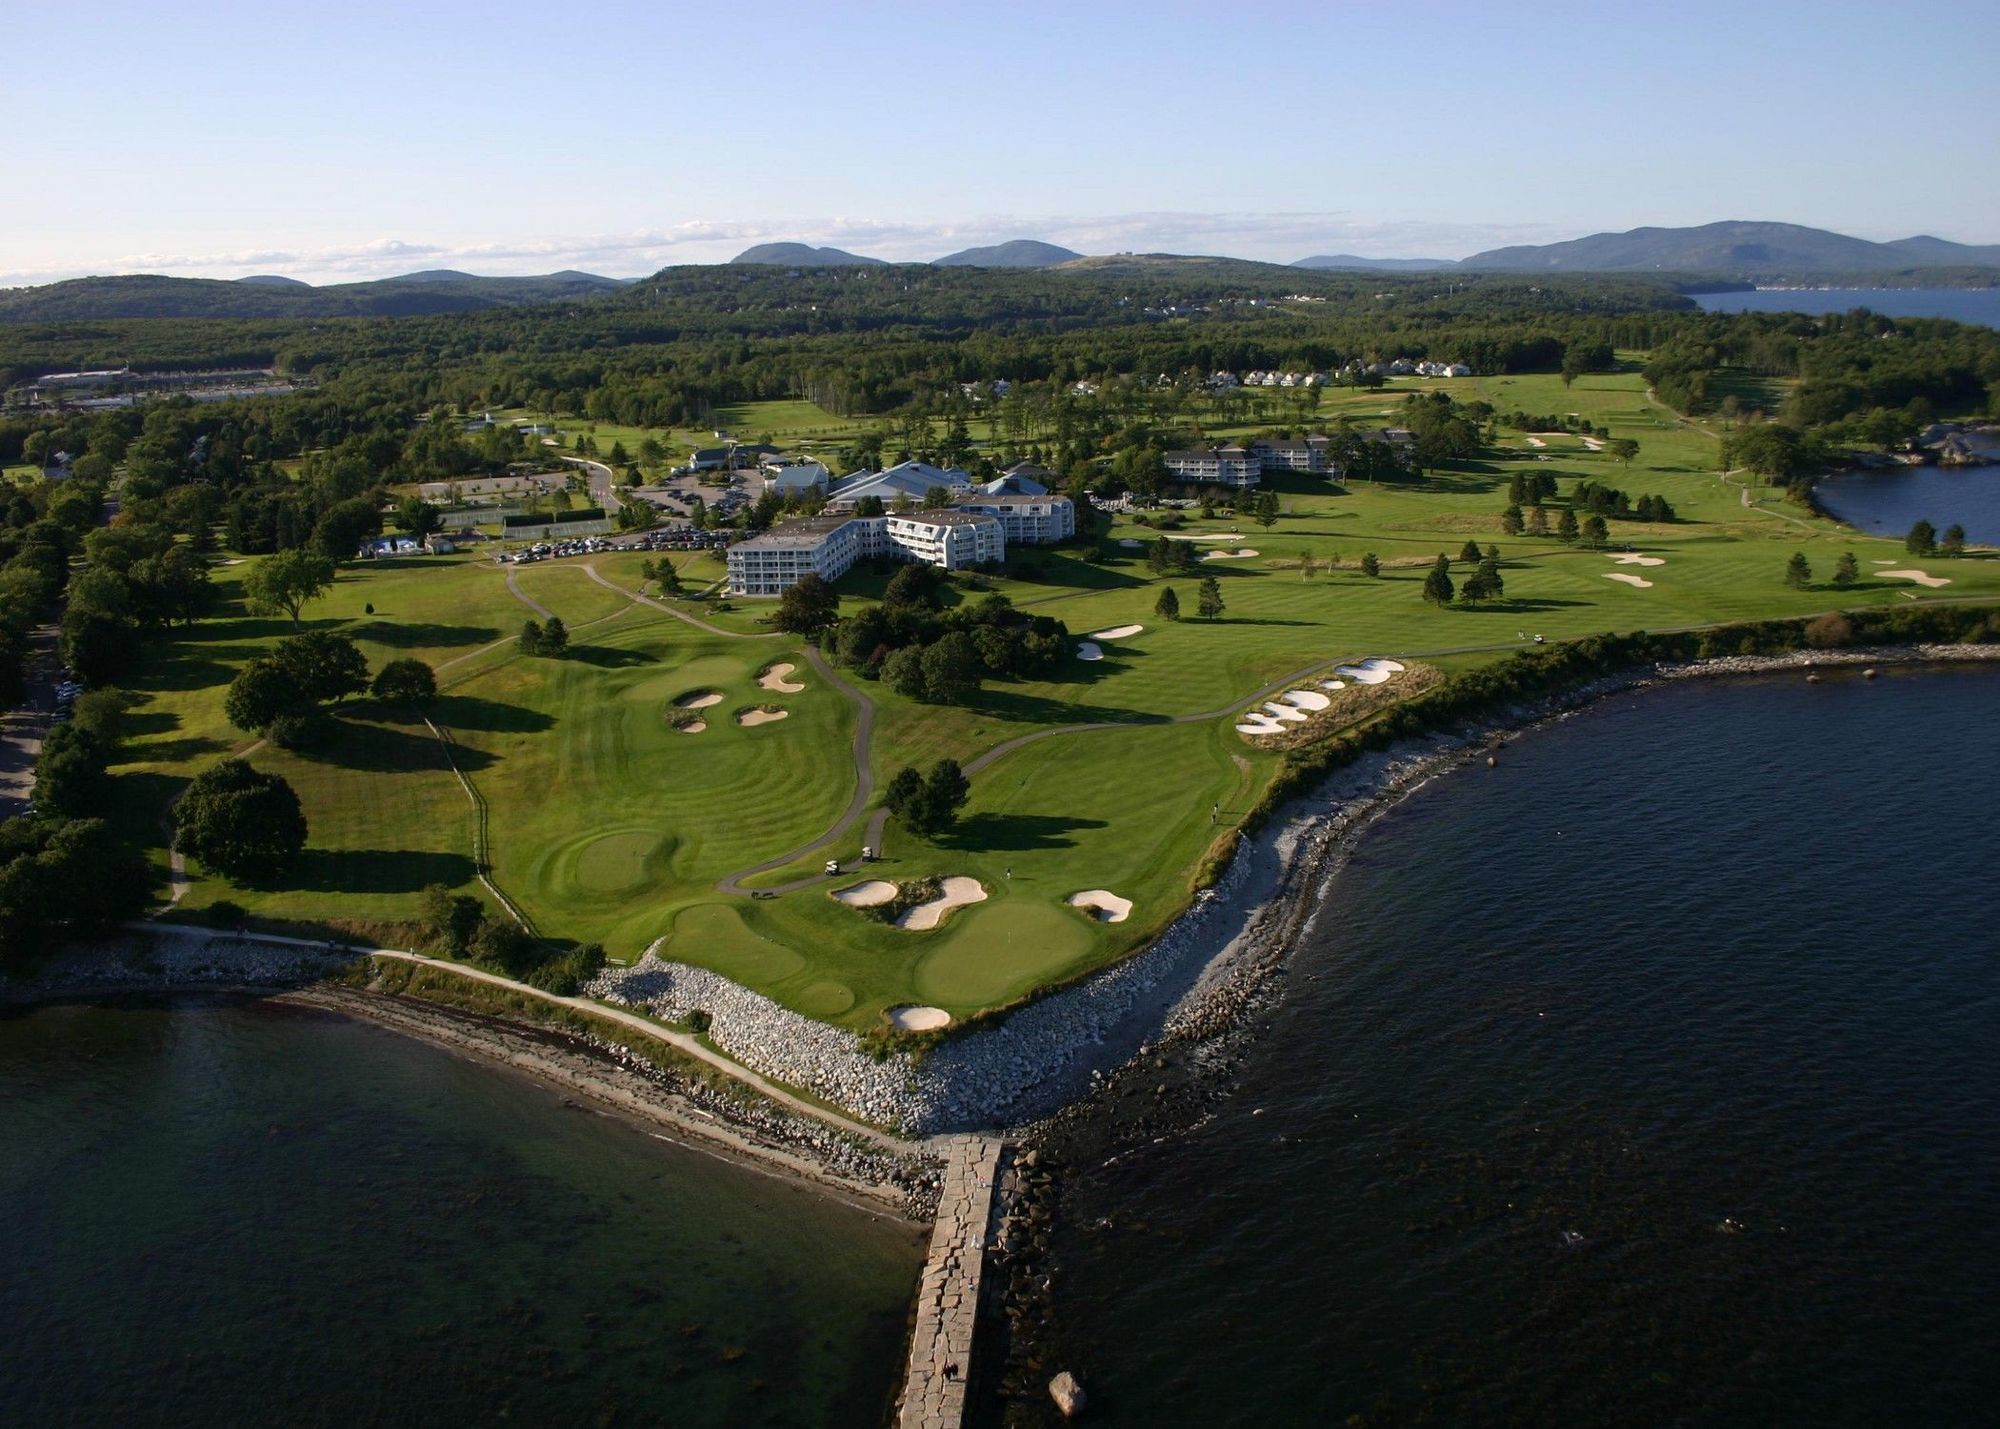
1370, 566
1538, 520
1438, 589
1168, 606
1846, 570
1954, 541
1469, 552
1566, 529
1798, 571
1510, 520
1209, 603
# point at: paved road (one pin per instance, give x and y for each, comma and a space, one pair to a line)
514, 585
603, 482
22, 728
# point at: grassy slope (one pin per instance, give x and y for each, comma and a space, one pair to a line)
608, 824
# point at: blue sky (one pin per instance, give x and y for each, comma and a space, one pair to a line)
336, 141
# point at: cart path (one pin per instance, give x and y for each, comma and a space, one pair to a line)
639, 599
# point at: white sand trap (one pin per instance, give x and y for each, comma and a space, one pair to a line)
1211, 536
1130, 541
775, 679
233, 561
1633, 558
1593, 443
1307, 699
1090, 650
1364, 674
1333, 684
1924, 578
919, 1019
751, 718
1256, 723
1290, 714
1107, 906
872, 894
1376, 662
1536, 442
693, 726
1243, 554
1116, 632
958, 891
1890, 562
1639, 581
699, 700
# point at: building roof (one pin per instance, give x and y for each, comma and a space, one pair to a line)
942, 518
1011, 498
806, 532
1017, 482
911, 478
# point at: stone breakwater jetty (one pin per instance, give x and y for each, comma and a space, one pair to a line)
934, 1387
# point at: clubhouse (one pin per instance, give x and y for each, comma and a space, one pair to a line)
975, 533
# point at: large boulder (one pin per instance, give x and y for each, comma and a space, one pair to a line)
1068, 1394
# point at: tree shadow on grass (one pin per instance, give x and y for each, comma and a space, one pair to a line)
1511, 607
173, 751
610, 657
1029, 710
472, 712
329, 870
384, 749
1015, 833
424, 634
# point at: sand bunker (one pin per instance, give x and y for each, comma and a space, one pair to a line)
1116, 632
1289, 714
1923, 578
1368, 672
774, 679
1130, 541
1089, 650
1257, 723
958, 891
1211, 536
693, 726
872, 894
751, 718
1593, 443
1307, 699
1333, 684
1243, 554
919, 1019
1107, 906
698, 699
1633, 558
1536, 442
1890, 562
1639, 581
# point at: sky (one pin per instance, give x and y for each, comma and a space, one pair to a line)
342, 141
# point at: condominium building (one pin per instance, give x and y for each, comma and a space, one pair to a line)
1215, 466
828, 547
1027, 520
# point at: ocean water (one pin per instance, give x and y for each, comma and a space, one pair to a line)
1889, 503
1966, 305
230, 1212
1650, 1078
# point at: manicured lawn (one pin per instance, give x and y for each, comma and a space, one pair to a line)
607, 822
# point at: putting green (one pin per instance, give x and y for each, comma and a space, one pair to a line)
713, 935
618, 862
821, 999
998, 948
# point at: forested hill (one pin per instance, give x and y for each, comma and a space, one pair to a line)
149, 295
1739, 250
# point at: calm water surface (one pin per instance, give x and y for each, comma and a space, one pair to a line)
1649, 1079
223, 1212
1966, 305
1889, 503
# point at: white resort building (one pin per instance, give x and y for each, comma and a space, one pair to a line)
952, 538
1216, 466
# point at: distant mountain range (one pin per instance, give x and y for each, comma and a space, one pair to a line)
1739, 252
1019, 253
1388, 265
804, 255
1734, 250
270, 295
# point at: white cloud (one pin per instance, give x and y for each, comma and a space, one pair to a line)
1277, 237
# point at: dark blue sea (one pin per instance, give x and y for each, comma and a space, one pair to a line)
1650, 1078
226, 1212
